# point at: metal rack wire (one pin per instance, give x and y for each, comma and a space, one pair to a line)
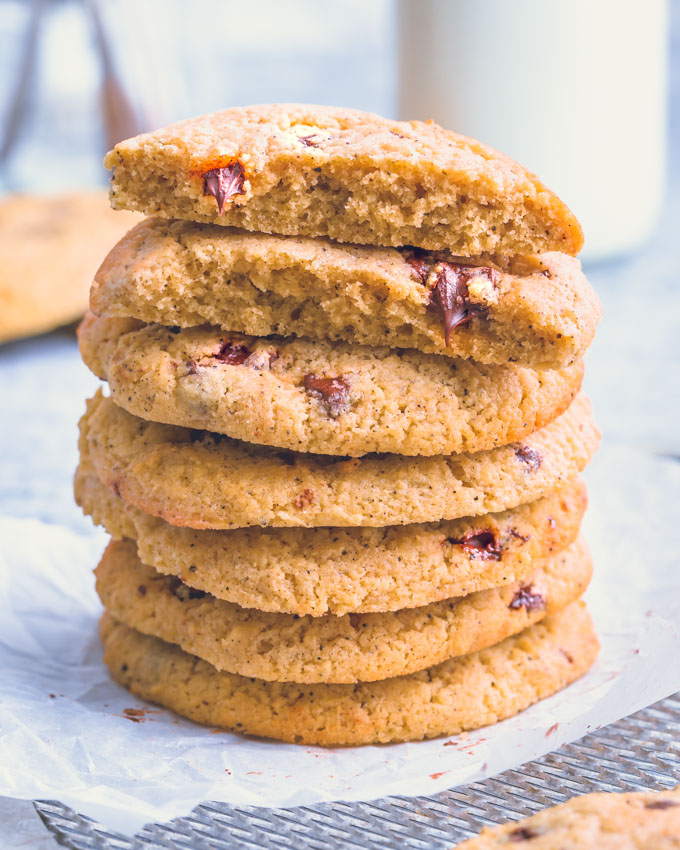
637, 753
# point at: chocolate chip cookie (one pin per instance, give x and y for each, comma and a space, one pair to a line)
348, 175
536, 311
323, 397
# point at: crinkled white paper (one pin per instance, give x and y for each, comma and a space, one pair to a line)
65, 734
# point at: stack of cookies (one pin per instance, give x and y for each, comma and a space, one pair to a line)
339, 456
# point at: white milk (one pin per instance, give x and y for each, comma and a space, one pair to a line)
573, 89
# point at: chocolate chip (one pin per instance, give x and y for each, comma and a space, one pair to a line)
528, 456
522, 833
141, 590
481, 545
232, 353
451, 297
332, 392
528, 597
448, 284
224, 183
661, 804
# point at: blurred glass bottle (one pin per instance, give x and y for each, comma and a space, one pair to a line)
66, 95
576, 90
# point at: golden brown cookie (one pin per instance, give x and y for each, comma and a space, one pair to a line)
324, 397
462, 693
201, 480
536, 311
50, 247
319, 571
636, 821
354, 177
347, 649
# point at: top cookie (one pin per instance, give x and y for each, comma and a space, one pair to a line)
637, 821
349, 175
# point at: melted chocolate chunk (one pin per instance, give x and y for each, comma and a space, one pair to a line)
224, 183
448, 284
529, 456
661, 804
528, 597
450, 295
232, 353
479, 544
333, 392
522, 833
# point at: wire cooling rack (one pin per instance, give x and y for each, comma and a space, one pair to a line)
637, 753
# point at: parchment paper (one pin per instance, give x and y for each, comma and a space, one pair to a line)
65, 734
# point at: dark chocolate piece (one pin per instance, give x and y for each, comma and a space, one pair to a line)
522, 833
661, 804
333, 392
448, 285
529, 456
451, 297
232, 353
480, 544
224, 183
528, 597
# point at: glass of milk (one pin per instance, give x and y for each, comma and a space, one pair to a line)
575, 90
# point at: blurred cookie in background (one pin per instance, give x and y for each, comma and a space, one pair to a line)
50, 249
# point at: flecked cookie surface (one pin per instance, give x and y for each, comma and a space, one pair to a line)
607, 821
536, 311
201, 480
324, 397
319, 571
46, 266
462, 693
347, 649
349, 175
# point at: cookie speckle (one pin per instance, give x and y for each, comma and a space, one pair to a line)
232, 353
